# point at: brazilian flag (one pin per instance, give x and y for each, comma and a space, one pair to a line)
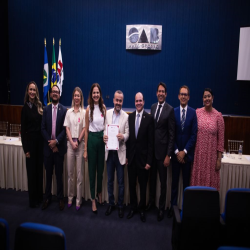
53, 74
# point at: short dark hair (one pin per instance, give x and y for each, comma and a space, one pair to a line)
184, 87
163, 85
209, 90
55, 86
119, 92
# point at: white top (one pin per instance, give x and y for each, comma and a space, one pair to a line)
97, 124
75, 121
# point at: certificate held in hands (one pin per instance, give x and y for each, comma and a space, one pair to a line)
112, 132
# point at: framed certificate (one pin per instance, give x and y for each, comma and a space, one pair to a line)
112, 132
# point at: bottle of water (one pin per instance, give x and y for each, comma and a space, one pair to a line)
19, 136
240, 152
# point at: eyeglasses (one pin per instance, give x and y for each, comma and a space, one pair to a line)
55, 92
183, 94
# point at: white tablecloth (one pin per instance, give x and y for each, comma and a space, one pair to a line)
234, 173
13, 174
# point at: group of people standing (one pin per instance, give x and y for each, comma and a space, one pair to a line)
192, 140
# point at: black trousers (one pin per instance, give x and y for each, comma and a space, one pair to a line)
34, 166
176, 168
158, 165
49, 162
133, 172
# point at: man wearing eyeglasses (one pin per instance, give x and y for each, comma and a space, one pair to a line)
185, 139
54, 146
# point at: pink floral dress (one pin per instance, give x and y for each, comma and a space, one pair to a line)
210, 139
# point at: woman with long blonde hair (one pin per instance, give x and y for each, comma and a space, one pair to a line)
32, 142
75, 129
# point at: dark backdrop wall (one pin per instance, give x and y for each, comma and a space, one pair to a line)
199, 48
4, 53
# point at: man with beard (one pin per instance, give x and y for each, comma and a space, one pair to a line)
54, 146
140, 154
116, 159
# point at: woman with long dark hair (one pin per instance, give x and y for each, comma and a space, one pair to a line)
32, 142
94, 150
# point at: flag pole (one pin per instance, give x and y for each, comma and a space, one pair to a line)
45, 46
60, 42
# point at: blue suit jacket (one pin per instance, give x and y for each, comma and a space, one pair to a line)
186, 138
46, 129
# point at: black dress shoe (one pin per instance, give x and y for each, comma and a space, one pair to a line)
120, 212
143, 217
131, 214
160, 215
170, 212
150, 206
61, 205
109, 210
45, 204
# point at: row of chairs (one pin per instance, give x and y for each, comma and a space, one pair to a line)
30, 236
200, 226
15, 129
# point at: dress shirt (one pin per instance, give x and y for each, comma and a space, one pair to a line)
141, 113
181, 108
116, 117
162, 105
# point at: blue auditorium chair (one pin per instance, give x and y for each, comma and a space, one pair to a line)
197, 226
34, 236
4, 235
236, 218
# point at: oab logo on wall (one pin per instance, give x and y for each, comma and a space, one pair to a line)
143, 36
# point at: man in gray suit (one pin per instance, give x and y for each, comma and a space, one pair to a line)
164, 134
116, 159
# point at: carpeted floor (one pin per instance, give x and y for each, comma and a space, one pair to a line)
85, 230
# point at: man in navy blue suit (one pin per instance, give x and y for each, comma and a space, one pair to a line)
54, 146
185, 139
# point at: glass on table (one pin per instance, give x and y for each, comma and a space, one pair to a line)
4, 137
232, 155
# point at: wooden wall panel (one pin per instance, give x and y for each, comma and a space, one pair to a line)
236, 127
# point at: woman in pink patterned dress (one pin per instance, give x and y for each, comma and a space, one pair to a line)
209, 144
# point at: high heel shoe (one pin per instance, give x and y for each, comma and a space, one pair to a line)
94, 211
98, 199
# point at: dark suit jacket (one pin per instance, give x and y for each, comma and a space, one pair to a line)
141, 148
60, 130
186, 138
164, 131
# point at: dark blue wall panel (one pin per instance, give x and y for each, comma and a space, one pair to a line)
200, 48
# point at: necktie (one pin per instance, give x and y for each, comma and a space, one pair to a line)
158, 112
53, 135
183, 119
137, 125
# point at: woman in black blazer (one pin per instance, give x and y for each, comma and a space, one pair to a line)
32, 143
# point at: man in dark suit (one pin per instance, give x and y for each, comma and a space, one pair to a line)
54, 146
139, 154
164, 127
185, 139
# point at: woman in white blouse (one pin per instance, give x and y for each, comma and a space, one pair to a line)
94, 150
75, 129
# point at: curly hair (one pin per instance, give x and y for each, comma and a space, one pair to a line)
37, 101
91, 102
